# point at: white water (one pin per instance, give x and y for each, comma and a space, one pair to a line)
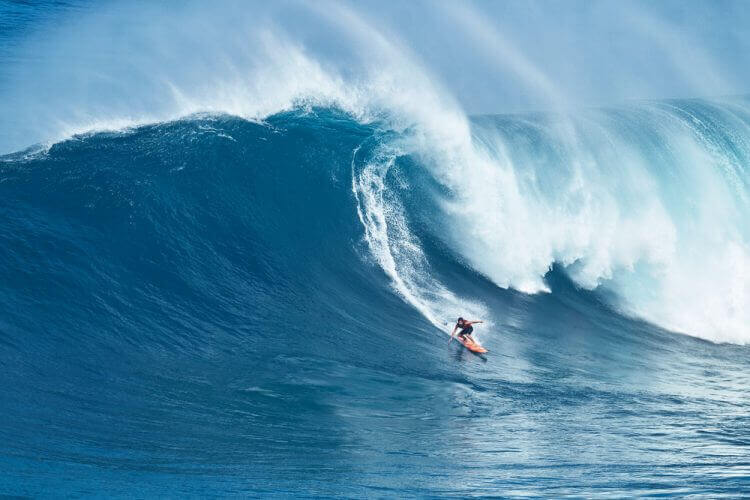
639, 201
397, 251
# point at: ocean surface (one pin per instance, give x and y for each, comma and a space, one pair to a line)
217, 304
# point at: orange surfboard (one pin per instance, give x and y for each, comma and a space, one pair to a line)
472, 346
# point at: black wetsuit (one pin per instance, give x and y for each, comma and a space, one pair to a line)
466, 331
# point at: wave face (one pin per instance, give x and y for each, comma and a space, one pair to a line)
213, 304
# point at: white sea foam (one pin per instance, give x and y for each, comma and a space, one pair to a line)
658, 217
397, 251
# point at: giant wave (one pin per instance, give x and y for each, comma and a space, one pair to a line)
646, 201
295, 273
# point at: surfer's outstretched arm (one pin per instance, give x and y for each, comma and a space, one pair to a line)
453, 333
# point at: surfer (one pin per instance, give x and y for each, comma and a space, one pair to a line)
466, 329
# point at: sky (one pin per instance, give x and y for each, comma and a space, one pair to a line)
500, 56
60, 60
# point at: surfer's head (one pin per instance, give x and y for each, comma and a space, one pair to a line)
460, 320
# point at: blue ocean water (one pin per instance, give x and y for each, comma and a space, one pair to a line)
190, 307
214, 305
